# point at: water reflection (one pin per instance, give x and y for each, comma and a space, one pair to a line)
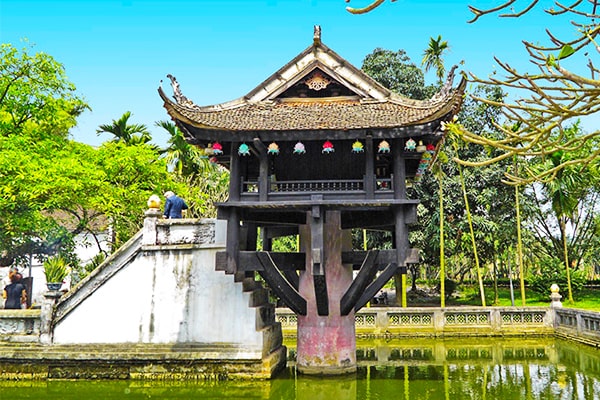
401, 369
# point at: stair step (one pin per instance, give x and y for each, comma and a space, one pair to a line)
265, 316
259, 297
250, 284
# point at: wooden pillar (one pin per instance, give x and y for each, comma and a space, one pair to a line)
233, 220
263, 170
369, 167
326, 343
399, 177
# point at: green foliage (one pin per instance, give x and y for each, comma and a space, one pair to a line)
56, 269
182, 157
551, 271
285, 244
395, 71
202, 191
433, 57
35, 95
123, 131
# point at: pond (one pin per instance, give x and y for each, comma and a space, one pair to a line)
468, 368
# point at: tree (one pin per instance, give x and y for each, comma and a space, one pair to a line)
433, 57
182, 157
567, 201
35, 95
548, 101
131, 134
395, 71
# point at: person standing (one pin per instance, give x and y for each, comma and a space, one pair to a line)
174, 205
15, 293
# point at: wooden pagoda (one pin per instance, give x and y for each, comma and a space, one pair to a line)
317, 149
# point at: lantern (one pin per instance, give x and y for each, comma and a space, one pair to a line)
410, 145
217, 148
357, 147
243, 150
328, 147
299, 148
384, 147
273, 149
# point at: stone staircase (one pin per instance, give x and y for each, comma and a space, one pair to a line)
258, 298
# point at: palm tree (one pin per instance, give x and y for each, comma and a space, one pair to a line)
564, 195
433, 57
130, 134
184, 158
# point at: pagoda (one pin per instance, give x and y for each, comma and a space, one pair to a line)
316, 150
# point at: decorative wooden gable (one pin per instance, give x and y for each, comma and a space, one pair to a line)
318, 72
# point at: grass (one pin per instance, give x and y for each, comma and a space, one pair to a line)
587, 299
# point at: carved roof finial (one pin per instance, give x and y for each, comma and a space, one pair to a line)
179, 97
317, 34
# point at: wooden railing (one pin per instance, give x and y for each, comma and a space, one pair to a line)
317, 186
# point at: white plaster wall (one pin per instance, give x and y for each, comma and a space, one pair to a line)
165, 296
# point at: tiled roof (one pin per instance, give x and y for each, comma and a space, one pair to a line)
304, 115
266, 108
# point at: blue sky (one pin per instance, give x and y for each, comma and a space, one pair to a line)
116, 52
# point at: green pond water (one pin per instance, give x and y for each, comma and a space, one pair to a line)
469, 368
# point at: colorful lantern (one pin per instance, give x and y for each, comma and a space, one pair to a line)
430, 148
244, 150
421, 148
217, 148
273, 149
299, 148
357, 147
410, 145
384, 147
328, 147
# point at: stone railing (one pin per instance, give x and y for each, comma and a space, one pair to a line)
424, 321
22, 326
582, 326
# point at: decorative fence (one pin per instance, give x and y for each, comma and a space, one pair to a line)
582, 326
400, 322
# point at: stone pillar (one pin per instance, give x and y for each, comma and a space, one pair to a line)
47, 313
326, 343
152, 215
555, 296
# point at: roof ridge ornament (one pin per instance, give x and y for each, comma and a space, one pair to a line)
317, 34
446, 88
177, 95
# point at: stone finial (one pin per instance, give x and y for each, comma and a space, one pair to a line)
317, 34
154, 202
555, 296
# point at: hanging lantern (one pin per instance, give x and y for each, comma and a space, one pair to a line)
357, 147
421, 148
209, 151
430, 148
410, 145
384, 147
299, 148
244, 150
217, 148
273, 149
328, 147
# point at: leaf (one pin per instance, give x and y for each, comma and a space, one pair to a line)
551, 61
565, 52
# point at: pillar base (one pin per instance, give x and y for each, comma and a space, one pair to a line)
326, 371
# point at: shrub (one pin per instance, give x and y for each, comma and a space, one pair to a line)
553, 271
56, 269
